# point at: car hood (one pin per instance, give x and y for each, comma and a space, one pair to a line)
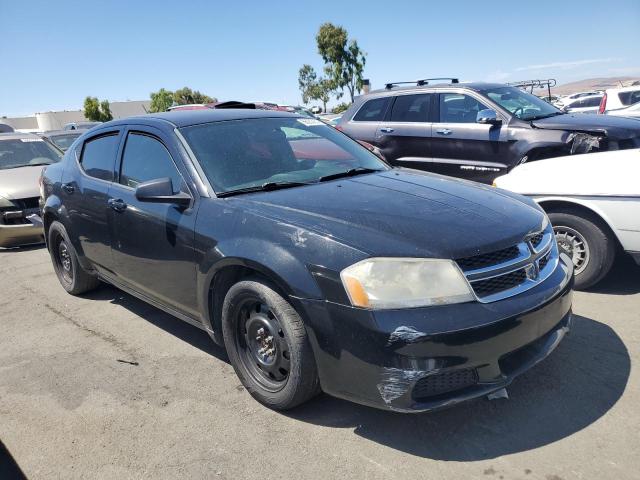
21, 182
402, 213
611, 126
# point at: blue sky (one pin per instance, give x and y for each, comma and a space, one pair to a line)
53, 54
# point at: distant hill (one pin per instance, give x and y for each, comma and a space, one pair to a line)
593, 84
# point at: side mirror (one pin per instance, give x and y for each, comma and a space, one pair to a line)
488, 116
161, 191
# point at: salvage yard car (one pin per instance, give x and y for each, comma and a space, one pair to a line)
476, 131
593, 203
324, 270
22, 156
61, 139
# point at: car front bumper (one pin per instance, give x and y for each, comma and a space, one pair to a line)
22, 234
422, 359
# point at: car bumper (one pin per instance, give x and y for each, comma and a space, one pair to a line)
422, 359
23, 234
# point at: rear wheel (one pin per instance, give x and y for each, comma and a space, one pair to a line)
268, 346
73, 278
589, 243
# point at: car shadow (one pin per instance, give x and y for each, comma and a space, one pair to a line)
567, 392
623, 279
9, 468
186, 332
578, 384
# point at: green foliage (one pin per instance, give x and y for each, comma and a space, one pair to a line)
97, 111
344, 61
341, 107
185, 96
161, 100
313, 87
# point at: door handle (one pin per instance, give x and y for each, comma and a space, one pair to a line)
444, 131
68, 187
386, 129
117, 204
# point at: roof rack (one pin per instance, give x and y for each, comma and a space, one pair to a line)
420, 83
531, 84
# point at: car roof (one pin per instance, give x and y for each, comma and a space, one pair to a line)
18, 135
184, 118
53, 133
478, 86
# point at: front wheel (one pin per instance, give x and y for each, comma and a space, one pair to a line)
589, 243
268, 346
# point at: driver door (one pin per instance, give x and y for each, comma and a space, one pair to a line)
153, 243
461, 147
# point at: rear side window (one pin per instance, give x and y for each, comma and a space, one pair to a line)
629, 98
99, 155
146, 158
372, 111
411, 108
591, 102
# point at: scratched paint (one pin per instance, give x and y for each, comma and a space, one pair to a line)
395, 382
406, 334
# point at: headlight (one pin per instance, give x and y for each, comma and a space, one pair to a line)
381, 283
545, 222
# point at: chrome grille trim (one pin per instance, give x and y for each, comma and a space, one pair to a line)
540, 260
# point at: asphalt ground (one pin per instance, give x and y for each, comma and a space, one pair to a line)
106, 386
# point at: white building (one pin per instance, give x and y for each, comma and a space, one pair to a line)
42, 122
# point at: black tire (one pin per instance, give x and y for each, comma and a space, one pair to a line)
600, 246
252, 305
73, 278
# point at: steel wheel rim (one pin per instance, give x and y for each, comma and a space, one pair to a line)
261, 345
65, 265
574, 243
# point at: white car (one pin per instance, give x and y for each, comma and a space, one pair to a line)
586, 104
593, 202
564, 100
632, 111
617, 98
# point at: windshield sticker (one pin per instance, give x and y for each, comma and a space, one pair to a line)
310, 122
27, 140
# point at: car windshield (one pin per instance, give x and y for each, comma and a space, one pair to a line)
22, 152
63, 142
245, 154
521, 104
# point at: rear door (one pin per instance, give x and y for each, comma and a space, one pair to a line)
404, 137
85, 192
153, 242
461, 147
366, 120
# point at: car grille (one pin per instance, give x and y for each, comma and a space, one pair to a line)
488, 259
507, 272
443, 383
17, 215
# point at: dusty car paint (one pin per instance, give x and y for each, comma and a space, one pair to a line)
300, 239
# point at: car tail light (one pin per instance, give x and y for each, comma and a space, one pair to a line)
603, 104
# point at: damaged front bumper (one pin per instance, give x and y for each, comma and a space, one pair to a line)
422, 359
31, 231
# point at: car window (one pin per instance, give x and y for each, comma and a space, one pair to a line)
411, 108
239, 154
23, 152
372, 111
520, 104
629, 98
459, 108
146, 158
590, 102
99, 155
63, 142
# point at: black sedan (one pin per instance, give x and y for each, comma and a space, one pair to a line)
315, 264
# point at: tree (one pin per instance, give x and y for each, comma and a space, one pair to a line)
97, 111
314, 88
341, 107
185, 96
343, 58
161, 100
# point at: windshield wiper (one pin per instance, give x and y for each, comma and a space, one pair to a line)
349, 173
265, 187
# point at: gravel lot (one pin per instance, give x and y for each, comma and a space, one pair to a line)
106, 386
